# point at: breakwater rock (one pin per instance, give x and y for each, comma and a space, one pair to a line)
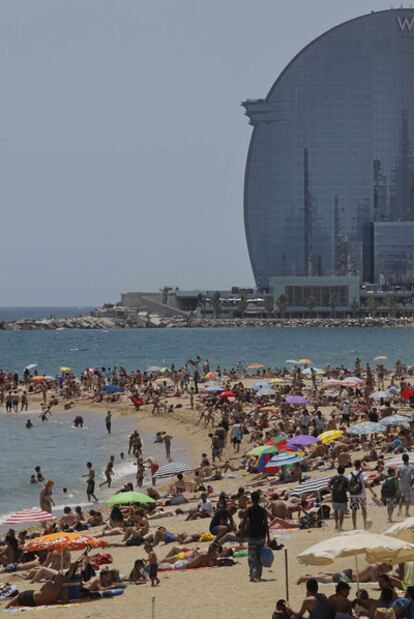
156, 321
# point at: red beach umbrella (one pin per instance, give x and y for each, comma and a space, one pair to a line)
227, 394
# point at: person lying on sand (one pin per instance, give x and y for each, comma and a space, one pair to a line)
368, 573
52, 592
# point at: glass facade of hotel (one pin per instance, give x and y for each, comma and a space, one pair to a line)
332, 149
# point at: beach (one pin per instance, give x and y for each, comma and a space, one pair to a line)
211, 591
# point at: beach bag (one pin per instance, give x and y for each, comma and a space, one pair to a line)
266, 556
389, 488
355, 484
339, 484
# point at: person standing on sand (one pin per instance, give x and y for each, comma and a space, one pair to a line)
108, 422
45, 497
357, 489
167, 438
406, 475
90, 488
255, 527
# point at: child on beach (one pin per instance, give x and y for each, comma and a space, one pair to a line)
137, 574
153, 565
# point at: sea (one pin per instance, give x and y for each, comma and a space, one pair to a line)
55, 445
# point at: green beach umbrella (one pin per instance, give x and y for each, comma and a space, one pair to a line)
123, 498
262, 449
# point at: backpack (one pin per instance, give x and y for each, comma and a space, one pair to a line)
355, 484
389, 488
339, 484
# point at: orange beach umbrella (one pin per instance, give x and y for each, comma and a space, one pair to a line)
64, 541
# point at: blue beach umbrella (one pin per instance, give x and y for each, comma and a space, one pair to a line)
261, 384
266, 391
396, 420
214, 389
366, 427
377, 395
282, 460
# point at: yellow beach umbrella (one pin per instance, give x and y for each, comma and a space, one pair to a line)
65, 369
305, 361
329, 436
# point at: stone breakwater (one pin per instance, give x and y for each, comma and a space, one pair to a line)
155, 321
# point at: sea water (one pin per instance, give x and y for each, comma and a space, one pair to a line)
62, 451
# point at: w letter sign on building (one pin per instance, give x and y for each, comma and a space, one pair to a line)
405, 23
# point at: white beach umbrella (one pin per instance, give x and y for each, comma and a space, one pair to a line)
402, 530
31, 366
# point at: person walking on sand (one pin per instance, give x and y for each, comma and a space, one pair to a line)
357, 489
255, 527
109, 472
90, 487
406, 475
108, 422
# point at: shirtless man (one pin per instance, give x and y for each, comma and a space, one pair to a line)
50, 593
167, 438
369, 573
90, 488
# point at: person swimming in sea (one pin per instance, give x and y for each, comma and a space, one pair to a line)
29, 424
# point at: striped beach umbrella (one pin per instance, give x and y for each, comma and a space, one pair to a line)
311, 485
173, 468
366, 427
64, 541
33, 514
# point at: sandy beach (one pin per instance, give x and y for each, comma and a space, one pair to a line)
206, 592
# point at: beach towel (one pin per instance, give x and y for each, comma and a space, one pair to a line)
136, 401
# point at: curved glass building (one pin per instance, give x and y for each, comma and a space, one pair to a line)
332, 150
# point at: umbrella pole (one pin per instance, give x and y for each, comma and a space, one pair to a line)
286, 575
356, 572
153, 607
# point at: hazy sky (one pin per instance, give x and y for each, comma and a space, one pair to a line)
123, 143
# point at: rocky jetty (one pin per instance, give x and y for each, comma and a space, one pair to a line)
156, 321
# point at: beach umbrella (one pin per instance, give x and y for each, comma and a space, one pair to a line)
124, 498
311, 485
262, 449
283, 460
214, 389
31, 366
380, 358
298, 442
329, 436
352, 381
33, 514
309, 371
407, 394
305, 361
210, 375
377, 395
227, 394
396, 420
374, 547
63, 541
255, 366
65, 369
173, 468
365, 428
291, 361
260, 384
278, 440
296, 399
266, 391
39, 379
111, 389
402, 530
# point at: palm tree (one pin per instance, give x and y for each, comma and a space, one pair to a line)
354, 307
373, 304
201, 302
217, 304
243, 304
269, 305
392, 305
333, 302
282, 303
310, 304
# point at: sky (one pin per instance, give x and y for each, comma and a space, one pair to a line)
123, 143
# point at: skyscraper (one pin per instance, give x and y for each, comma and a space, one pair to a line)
332, 149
